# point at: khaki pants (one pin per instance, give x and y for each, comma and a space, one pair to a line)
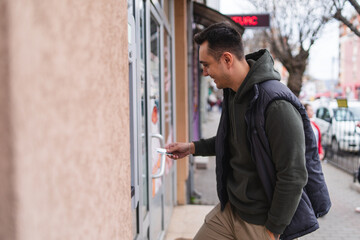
228, 226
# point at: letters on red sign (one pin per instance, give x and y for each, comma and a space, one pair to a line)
246, 20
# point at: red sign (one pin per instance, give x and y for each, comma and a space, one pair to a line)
154, 115
252, 20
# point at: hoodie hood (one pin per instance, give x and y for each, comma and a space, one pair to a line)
261, 69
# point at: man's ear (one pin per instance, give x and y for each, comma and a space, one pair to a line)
228, 58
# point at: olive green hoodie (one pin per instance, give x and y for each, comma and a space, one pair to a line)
284, 129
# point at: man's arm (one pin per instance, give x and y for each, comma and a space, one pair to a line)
204, 147
285, 131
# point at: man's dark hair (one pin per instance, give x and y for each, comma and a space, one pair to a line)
221, 37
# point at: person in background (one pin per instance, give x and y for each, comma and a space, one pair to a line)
310, 113
263, 147
357, 209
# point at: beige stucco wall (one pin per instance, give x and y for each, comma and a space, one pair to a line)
64, 89
7, 190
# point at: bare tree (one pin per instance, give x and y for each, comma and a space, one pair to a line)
295, 26
339, 6
255, 40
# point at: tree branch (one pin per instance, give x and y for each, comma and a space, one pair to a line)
294, 29
342, 19
355, 4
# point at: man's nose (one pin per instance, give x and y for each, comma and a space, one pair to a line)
205, 73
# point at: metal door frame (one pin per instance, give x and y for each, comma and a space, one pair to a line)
152, 13
143, 70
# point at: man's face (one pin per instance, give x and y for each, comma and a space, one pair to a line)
212, 67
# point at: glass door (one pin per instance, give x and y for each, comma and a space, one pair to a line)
169, 131
156, 129
152, 126
140, 170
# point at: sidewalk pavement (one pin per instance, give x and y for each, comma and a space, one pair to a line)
342, 222
186, 221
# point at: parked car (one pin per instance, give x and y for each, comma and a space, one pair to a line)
339, 126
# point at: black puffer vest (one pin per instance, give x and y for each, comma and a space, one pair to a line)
315, 199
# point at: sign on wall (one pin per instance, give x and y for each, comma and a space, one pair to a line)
252, 20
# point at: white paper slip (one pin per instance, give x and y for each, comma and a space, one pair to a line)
163, 151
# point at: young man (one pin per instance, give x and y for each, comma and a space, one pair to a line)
260, 146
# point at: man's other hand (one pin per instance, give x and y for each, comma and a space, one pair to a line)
272, 235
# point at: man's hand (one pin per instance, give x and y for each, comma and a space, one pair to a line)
180, 150
273, 236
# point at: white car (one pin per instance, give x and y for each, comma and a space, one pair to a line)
339, 126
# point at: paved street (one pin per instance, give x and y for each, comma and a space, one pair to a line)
342, 222
204, 180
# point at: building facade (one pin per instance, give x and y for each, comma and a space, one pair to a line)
350, 61
90, 93
152, 118
64, 120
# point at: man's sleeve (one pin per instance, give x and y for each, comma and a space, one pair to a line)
285, 131
205, 147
